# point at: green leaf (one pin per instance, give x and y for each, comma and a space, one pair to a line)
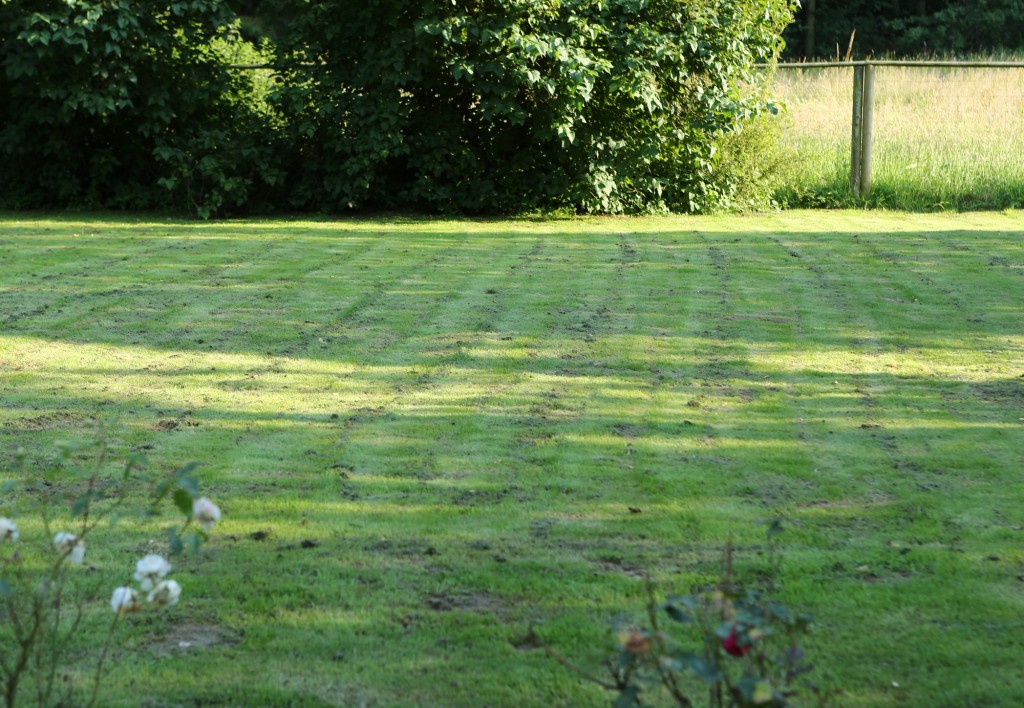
755, 690
803, 623
706, 670
629, 697
174, 541
137, 459
678, 614
194, 541
190, 485
183, 500
161, 489
763, 693
82, 504
5, 588
134, 461
780, 612
185, 470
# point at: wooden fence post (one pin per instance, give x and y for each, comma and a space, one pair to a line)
857, 139
862, 136
867, 129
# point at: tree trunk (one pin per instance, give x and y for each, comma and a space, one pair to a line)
809, 30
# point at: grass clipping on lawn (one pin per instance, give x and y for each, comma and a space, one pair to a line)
427, 436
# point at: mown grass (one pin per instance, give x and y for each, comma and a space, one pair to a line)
944, 139
428, 435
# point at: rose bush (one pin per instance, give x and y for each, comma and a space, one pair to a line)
42, 601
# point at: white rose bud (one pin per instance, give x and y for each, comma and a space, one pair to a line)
150, 569
8, 531
165, 594
124, 601
205, 512
70, 546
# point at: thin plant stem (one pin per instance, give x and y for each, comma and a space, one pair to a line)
27, 642
668, 677
102, 659
540, 643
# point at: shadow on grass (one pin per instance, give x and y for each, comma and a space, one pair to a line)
527, 421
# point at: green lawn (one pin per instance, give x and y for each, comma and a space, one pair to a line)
427, 435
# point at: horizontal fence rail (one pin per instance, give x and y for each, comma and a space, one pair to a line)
898, 62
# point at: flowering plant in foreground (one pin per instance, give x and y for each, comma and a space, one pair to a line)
44, 599
70, 546
150, 570
736, 641
205, 512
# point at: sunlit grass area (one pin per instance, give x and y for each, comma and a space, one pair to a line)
427, 436
944, 139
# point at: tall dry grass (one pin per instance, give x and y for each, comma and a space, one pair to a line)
944, 138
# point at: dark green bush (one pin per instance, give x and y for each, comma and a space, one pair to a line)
596, 106
125, 103
964, 28
504, 105
908, 27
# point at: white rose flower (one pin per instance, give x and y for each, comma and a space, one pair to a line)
8, 531
69, 545
205, 512
165, 594
150, 569
124, 601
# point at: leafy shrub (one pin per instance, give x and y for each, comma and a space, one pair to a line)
508, 105
597, 106
126, 104
752, 162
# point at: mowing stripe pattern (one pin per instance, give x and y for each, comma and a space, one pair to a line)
427, 436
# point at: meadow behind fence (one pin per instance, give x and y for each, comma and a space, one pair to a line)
944, 137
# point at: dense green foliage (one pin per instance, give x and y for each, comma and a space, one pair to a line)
125, 103
907, 27
505, 104
496, 105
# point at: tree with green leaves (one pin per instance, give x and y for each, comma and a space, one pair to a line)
823, 28
596, 106
124, 103
504, 105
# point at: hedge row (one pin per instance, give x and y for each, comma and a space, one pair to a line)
597, 106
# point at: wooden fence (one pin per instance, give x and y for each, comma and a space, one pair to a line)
862, 123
